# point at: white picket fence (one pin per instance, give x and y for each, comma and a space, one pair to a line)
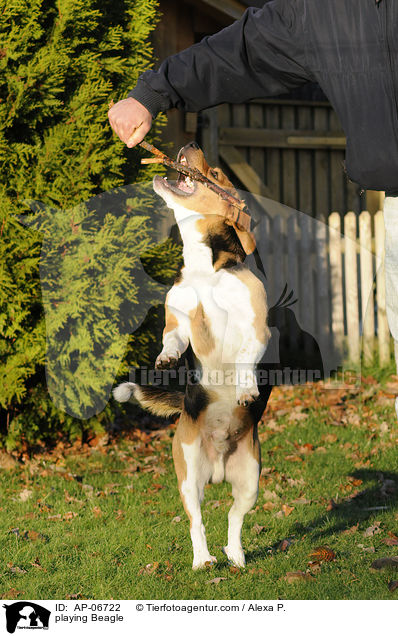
336, 270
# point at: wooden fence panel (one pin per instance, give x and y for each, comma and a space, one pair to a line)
292, 151
335, 271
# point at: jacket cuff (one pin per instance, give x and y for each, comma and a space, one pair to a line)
152, 100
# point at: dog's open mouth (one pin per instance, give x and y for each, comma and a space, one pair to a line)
183, 186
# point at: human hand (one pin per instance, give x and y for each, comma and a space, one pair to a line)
130, 120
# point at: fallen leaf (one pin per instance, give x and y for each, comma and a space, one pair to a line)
32, 535
296, 577
11, 594
15, 569
314, 566
287, 510
75, 597
390, 541
284, 545
25, 494
36, 564
304, 448
301, 501
393, 585
385, 562
69, 515
97, 512
176, 519
297, 416
217, 580
268, 506
293, 458
351, 530
372, 530
323, 553
330, 438
270, 495
257, 529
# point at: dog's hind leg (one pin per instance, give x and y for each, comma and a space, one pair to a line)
193, 472
242, 470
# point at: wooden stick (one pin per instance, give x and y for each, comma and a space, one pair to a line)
151, 160
238, 215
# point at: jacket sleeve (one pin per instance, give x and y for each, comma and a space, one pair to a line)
260, 55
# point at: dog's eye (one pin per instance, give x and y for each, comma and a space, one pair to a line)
214, 174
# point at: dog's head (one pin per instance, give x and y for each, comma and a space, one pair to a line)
194, 196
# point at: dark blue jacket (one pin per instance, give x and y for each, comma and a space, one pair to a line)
350, 47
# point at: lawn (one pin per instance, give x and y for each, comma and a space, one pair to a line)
105, 520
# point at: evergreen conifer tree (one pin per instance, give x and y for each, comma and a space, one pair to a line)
61, 62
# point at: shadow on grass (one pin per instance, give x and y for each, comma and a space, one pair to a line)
345, 515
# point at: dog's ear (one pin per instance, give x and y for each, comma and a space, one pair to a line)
246, 239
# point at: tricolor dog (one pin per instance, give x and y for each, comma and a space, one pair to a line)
219, 307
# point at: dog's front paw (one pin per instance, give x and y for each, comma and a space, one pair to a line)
247, 396
235, 556
166, 361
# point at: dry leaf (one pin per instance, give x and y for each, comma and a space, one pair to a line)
330, 438
32, 535
69, 515
270, 495
287, 510
11, 594
385, 562
268, 506
284, 545
351, 530
372, 530
257, 529
25, 494
36, 563
393, 585
15, 569
176, 519
323, 553
97, 512
296, 577
301, 501
390, 541
217, 580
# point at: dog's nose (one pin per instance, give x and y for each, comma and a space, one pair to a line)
193, 144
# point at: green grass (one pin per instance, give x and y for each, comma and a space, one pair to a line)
91, 525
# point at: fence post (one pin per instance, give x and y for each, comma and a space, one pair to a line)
351, 285
322, 301
336, 282
306, 284
366, 269
383, 334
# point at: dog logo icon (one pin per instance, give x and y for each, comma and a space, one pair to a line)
26, 615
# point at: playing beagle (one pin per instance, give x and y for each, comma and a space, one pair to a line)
219, 307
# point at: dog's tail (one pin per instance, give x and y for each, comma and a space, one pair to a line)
152, 398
